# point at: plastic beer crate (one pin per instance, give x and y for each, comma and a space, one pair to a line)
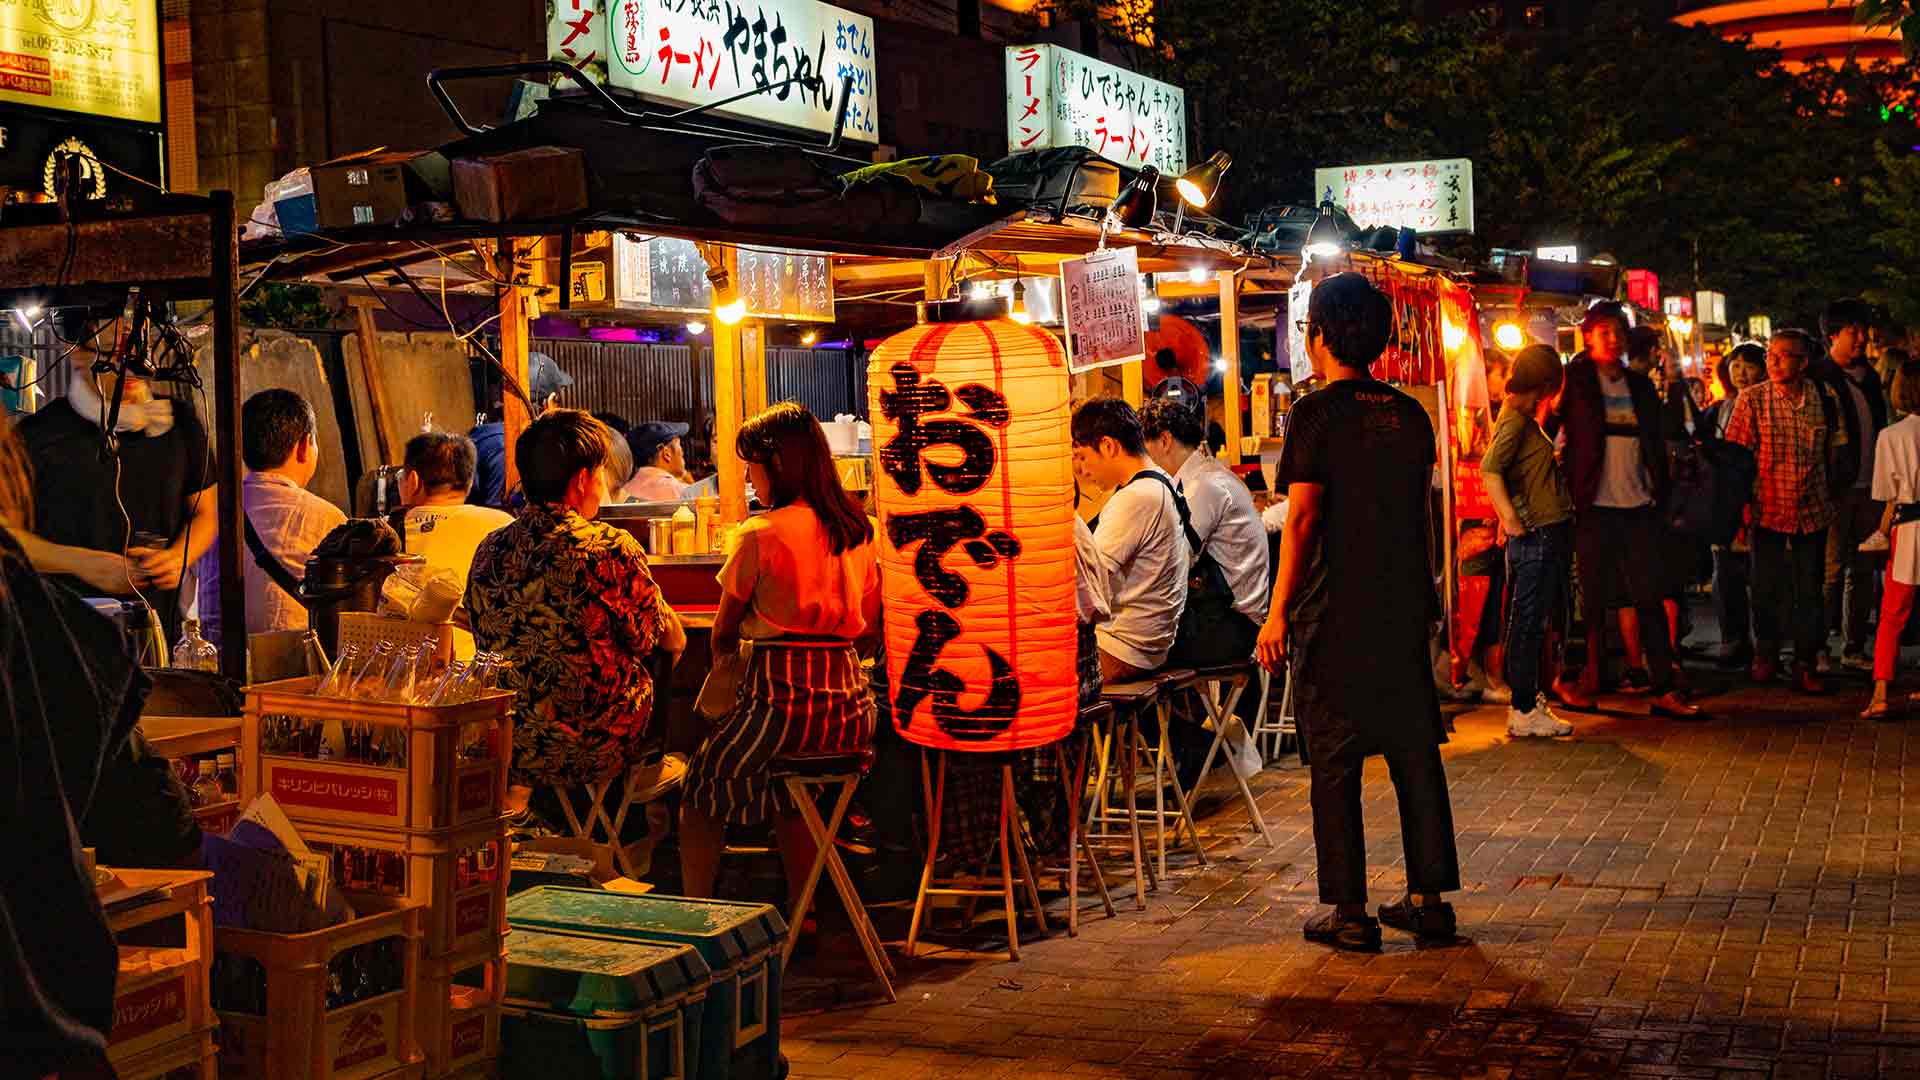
454, 771
189, 1058
160, 998
740, 1028
280, 999
459, 1020
602, 1008
459, 874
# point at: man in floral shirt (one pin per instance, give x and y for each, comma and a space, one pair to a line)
1788, 422
571, 604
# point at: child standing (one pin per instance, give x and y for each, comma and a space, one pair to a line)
1536, 512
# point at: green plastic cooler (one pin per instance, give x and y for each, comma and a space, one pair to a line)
740, 1029
607, 1007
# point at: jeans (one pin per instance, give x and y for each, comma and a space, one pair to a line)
1851, 575
1731, 603
1537, 565
1786, 593
1625, 543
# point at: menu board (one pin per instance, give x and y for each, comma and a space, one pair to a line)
669, 274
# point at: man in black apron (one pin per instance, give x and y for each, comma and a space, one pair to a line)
1353, 606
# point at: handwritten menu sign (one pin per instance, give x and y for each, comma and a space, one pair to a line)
1426, 196
1105, 323
668, 273
1057, 97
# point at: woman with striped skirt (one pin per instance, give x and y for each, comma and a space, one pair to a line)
802, 591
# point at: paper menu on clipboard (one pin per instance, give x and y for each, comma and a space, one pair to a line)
1104, 321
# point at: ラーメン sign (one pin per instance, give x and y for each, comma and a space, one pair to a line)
1057, 97
99, 57
696, 52
1425, 196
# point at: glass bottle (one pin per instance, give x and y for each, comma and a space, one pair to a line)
224, 773
423, 673
193, 652
206, 788
371, 681
446, 692
316, 654
339, 675
398, 685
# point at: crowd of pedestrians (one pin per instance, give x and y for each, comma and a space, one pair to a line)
1616, 476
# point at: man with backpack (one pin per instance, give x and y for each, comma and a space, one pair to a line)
1142, 544
1789, 422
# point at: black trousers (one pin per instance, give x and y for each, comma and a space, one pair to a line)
1625, 544
1336, 759
1787, 580
1731, 581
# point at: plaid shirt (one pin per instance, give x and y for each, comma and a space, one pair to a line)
1789, 433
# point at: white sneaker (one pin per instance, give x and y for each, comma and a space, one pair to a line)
1540, 722
1876, 543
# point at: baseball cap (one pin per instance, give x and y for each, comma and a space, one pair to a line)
1536, 367
648, 436
544, 377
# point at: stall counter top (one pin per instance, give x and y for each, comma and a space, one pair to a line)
187, 736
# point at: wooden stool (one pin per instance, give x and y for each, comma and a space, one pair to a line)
1073, 776
1220, 710
1118, 733
802, 777
1012, 845
643, 786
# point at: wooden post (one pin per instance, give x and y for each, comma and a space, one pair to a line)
513, 356
373, 373
728, 403
1133, 383
226, 429
1230, 352
753, 367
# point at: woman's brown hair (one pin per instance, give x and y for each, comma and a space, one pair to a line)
16, 478
787, 440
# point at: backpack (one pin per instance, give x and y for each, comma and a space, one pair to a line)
1711, 484
1209, 615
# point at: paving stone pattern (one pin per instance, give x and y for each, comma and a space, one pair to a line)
1647, 899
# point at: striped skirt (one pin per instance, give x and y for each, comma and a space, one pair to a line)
800, 697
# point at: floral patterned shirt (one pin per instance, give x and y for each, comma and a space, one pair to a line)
572, 605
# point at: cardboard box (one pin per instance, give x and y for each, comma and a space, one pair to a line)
375, 187
536, 184
1262, 398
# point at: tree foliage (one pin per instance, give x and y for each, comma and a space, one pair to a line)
1667, 146
1898, 15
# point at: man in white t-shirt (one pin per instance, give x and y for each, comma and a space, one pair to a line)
442, 526
1139, 536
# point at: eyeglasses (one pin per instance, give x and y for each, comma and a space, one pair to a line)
1300, 325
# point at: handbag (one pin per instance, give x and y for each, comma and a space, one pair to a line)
722, 686
1208, 619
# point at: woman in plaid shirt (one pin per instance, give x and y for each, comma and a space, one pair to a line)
1788, 422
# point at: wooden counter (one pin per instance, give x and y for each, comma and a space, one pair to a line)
190, 736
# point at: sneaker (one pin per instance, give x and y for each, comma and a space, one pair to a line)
1540, 722
1856, 662
1876, 543
1428, 922
1360, 934
1497, 695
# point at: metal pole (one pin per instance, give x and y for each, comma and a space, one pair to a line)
226, 434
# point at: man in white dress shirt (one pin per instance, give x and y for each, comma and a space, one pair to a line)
279, 442
1220, 508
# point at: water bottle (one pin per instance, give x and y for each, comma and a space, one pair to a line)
206, 789
193, 652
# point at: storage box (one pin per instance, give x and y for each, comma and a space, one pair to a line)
160, 994
459, 874
460, 998
376, 186
454, 770
740, 1025
587, 1006
190, 1056
535, 184
286, 1004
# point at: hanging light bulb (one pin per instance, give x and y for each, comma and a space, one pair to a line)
1509, 336
731, 312
1018, 313
1151, 305
809, 337
1201, 184
979, 291
1324, 239
696, 327
1452, 334
1199, 275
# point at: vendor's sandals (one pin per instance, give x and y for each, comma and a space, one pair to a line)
1349, 934
1879, 710
1428, 922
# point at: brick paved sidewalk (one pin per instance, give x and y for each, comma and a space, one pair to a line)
1727, 899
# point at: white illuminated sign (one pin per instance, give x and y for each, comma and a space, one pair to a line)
1057, 97
1566, 253
1425, 196
99, 57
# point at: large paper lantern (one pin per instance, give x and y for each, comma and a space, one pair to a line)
974, 491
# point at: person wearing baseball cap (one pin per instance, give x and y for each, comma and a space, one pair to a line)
661, 459
545, 380
1352, 615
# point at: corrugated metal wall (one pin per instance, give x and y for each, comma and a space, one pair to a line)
821, 379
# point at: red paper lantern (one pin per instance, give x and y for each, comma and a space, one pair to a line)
974, 492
